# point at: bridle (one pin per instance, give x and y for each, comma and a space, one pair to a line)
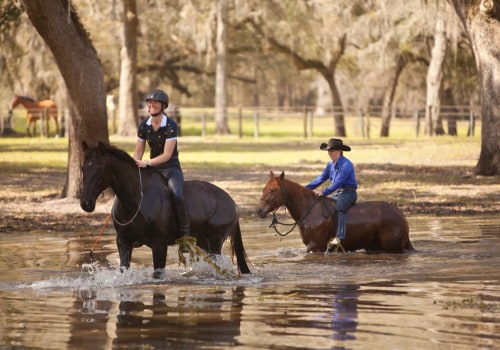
275, 220
138, 209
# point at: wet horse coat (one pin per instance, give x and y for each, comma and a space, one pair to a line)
373, 226
143, 211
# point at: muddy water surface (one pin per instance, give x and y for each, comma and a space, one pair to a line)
446, 295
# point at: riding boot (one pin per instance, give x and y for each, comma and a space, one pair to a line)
183, 219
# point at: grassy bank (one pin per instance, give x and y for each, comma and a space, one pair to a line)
421, 175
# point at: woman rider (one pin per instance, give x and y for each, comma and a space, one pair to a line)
160, 132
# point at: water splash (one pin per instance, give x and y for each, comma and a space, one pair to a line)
94, 276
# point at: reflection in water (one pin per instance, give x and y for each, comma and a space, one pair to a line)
445, 295
173, 317
345, 316
197, 320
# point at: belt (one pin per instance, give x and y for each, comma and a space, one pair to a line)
348, 188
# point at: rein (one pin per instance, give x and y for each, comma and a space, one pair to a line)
138, 209
275, 220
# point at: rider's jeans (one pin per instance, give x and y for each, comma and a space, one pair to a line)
344, 198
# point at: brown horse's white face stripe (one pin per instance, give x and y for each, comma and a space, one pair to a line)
272, 197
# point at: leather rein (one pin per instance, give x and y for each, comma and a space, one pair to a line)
138, 208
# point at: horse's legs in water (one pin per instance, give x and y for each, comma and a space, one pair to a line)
125, 252
159, 250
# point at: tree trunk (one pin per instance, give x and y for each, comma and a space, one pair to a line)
82, 72
433, 120
127, 99
482, 24
389, 96
221, 123
338, 109
327, 71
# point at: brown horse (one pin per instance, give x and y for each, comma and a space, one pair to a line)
373, 226
34, 109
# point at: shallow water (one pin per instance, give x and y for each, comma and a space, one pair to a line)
446, 295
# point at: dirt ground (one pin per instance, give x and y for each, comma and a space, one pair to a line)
30, 201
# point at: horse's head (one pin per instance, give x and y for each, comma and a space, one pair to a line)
273, 195
97, 175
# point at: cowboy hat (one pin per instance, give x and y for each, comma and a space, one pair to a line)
334, 144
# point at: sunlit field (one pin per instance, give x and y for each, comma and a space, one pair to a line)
274, 140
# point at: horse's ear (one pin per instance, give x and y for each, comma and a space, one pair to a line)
282, 176
101, 146
271, 174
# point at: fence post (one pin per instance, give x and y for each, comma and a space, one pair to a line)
203, 124
256, 124
471, 124
305, 122
368, 125
362, 122
42, 129
417, 123
310, 120
240, 123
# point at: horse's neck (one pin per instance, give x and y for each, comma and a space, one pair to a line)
298, 199
126, 183
25, 103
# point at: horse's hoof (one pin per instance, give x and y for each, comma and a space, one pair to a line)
123, 268
158, 274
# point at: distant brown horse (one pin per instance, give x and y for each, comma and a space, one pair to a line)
34, 108
373, 226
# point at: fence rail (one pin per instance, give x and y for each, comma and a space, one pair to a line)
309, 122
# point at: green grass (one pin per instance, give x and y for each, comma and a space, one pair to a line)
233, 151
280, 142
419, 174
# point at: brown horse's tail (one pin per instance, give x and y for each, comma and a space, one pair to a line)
238, 250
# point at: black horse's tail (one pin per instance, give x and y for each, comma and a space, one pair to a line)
408, 245
238, 250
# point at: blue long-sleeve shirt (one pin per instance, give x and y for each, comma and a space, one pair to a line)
341, 174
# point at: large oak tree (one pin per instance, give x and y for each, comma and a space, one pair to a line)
59, 26
481, 20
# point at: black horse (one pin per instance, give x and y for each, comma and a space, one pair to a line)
143, 211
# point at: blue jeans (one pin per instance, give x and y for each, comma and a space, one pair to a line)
344, 199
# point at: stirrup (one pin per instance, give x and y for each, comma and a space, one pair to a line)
337, 245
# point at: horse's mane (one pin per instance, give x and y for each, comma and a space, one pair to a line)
27, 98
118, 153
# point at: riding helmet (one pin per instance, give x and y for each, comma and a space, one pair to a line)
158, 95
